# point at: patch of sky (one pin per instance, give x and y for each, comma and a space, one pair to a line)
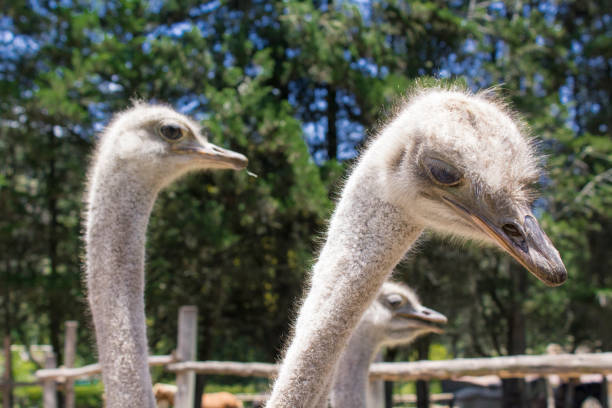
598, 62
541, 41
292, 52
566, 91
206, 29
204, 8
576, 47
228, 60
500, 49
538, 89
314, 135
107, 87
365, 66
364, 7
540, 205
603, 128
188, 103
470, 45
38, 9
526, 10
95, 36
179, 29
498, 8
14, 46
58, 131
318, 105
253, 70
257, 41
98, 111
549, 9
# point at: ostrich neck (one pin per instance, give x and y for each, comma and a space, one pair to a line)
119, 206
367, 238
351, 377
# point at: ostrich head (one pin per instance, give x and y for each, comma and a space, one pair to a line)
466, 168
163, 144
397, 317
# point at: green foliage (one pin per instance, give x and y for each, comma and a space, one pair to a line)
86, 396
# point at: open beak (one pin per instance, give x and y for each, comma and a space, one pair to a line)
524, 240
216, 156
429, 317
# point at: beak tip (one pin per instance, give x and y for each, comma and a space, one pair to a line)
553, 276
240, 162
557, 278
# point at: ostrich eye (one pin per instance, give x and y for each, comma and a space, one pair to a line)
443, 173
395, 300
172, 133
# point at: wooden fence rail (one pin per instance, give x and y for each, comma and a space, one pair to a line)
570, 365
63, 374
567, 365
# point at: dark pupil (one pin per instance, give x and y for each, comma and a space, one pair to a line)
171, 132
443, 175
395, 302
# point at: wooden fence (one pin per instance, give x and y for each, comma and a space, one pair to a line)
182, 363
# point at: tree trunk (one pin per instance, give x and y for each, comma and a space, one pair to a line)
332, 117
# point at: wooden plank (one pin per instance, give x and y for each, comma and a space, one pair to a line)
550, 393
62, 374
69, 357
571, 365
504, 367
226, 368
412, 398
49, 386
186, 351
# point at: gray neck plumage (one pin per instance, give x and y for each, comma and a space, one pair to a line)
119, 205
351, 377
367, 237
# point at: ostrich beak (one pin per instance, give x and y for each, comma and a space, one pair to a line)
524, 240
215, 156
429, 317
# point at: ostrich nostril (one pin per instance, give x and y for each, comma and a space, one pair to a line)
516, 236
425, 312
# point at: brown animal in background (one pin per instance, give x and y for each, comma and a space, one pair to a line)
164, 396
220, 400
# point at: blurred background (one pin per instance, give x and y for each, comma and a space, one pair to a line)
298, 87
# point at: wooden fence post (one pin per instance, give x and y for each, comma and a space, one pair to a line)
550, 393
7, 377
186, 351
69, 354
49, 387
